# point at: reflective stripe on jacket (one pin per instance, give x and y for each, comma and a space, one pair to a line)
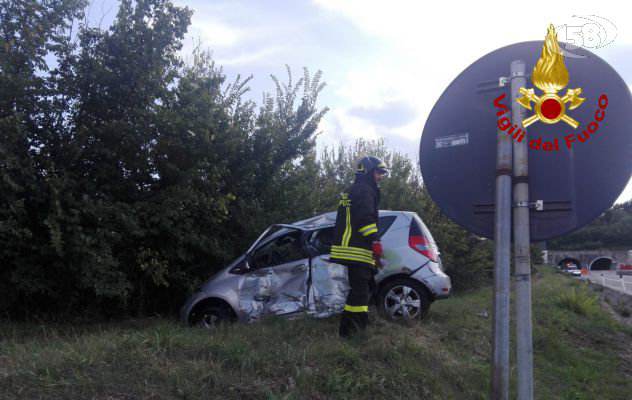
356, 225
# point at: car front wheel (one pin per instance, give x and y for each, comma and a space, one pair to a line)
404, 299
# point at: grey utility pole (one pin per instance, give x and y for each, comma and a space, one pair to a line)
524, 341
502, 254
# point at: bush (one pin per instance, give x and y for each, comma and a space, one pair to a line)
580, 301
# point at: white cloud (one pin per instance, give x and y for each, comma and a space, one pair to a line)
340, 126
250, 56
215, 34
626, 194
627, 191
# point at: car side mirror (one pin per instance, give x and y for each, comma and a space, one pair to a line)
243, 266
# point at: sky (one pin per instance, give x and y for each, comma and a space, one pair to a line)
385, 63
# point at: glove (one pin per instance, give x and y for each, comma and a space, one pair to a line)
378, 250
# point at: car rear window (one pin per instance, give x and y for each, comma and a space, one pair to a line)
384, 223
425, 229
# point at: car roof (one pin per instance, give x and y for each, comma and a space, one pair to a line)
330, 219
317, 222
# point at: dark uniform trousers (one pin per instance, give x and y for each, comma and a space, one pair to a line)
355, 315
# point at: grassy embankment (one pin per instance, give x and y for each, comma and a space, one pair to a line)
580, 353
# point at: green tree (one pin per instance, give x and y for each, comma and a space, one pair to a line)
127, 175
613, 229
282, 135
33, 102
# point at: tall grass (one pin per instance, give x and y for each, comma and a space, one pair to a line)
581, 301
446, 356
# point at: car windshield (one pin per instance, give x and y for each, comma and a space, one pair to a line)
283, 249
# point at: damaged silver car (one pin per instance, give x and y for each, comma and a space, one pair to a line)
287, 272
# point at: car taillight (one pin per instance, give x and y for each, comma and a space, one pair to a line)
420, 244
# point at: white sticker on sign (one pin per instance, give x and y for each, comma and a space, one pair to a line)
452, 140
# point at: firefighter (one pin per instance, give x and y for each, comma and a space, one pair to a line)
356, 243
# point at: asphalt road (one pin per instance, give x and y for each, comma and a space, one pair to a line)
611, 280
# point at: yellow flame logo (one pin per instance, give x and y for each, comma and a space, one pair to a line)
550, 75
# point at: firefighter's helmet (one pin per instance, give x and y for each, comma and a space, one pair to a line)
367, 164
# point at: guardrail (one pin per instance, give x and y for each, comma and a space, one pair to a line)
617, 283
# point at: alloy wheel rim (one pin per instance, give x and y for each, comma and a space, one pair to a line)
402, 302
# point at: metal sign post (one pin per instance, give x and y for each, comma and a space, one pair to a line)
502, 254
524, 342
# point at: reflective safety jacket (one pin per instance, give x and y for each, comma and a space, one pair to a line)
356, 225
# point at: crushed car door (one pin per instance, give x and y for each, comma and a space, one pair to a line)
329, 282
277, 281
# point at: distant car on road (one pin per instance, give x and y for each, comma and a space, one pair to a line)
287, 272
624, 269
572, 269
566, 266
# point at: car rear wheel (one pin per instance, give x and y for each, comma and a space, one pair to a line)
212, 316
403, 299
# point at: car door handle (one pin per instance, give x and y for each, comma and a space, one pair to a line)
261, 297
298, 269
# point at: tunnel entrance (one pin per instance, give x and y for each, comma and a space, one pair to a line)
601, 264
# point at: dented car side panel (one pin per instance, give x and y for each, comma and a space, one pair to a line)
329, 287
277, 290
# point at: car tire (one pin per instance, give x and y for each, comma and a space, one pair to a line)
209, 317
403, 299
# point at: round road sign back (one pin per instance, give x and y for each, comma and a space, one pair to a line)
578, 173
